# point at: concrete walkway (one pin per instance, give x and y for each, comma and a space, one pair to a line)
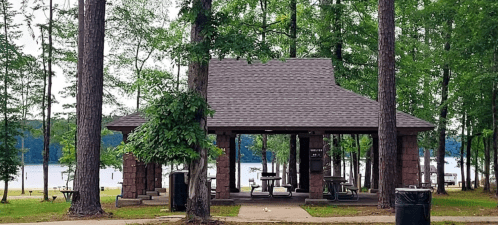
283, 213
293, 213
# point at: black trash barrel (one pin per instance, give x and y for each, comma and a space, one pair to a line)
413, 206
178, 191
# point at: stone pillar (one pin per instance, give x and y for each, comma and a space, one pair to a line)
158, 176
233, 188
133, 174
410, 161
141, 179
223, 167
304, 164
316, 178
151, 176
129, 176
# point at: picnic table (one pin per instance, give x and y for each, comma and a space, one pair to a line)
68, 194
272, 185
338, 188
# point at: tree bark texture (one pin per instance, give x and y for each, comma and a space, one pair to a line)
469, 146
462, 148
387, 102
427, 166
6, 121
375, 163
336, 155
292, 162
198, 194
368, 169
233, 164
442, 117
495, 133
487, 161
46, 139
238, 161
476, 171
284, 173
277, 170
264, 161
326, 155
87, 201
293, 29
357, 164
81, 48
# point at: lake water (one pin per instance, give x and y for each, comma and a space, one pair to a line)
110, 177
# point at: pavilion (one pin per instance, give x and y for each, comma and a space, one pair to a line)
298, 96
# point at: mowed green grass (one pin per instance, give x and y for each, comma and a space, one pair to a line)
456, 203
34, 210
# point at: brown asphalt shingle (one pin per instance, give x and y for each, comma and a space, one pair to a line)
298, 93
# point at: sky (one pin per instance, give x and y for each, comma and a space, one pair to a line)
32, 46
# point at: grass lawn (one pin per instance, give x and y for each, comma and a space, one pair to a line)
456, 203
33, 210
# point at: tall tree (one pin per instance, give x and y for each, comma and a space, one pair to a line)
81, 49
264, 159
8, 152
239, 155
87, 201
387, 102
198, 193
292, 162
46, 139
462, 168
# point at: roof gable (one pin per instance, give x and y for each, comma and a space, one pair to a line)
297, 93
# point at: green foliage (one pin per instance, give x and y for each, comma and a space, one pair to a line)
172, 129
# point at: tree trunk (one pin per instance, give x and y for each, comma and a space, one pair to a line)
355, 168
293, 29
358, 159
197, 202
81, 45
442, 118
351, 172
343, 158
44, 119
46, 140
338, 35
5, 191
264, 162
238, 162
469, 145
87, 201
387, 102
427, 166
6, 123
22, 168
462, 165
292, 162
277, 171
476, 168
487, 161
375, 166
326, 155
368, 169
284, 173
495, 132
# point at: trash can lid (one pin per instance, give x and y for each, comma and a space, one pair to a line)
413, 189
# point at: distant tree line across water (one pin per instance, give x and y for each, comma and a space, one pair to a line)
35, 146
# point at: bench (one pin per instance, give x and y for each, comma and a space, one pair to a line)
253, 185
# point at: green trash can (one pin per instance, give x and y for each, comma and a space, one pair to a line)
413, 206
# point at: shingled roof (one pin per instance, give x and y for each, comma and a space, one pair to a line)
127, 123
295, 95
298, 94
